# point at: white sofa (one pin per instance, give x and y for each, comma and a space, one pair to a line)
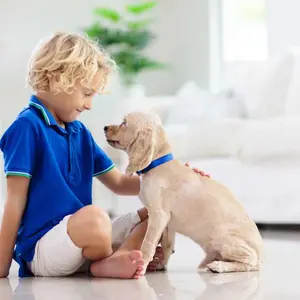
255, 152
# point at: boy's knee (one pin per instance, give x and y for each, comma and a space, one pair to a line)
90, 226
96, 219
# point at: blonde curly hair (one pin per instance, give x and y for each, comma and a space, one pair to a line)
70, 57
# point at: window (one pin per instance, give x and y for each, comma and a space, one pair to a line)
244, 31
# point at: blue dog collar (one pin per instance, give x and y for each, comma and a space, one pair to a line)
157, 162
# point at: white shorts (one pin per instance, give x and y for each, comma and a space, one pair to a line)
57, 255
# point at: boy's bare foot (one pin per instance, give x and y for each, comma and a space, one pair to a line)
122, 264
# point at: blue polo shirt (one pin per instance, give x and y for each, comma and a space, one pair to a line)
60, 163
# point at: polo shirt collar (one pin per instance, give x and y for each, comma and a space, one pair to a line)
48, 118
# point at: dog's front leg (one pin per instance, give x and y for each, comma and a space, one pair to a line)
157, 222
168, 244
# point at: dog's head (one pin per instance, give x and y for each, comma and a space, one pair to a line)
140, 135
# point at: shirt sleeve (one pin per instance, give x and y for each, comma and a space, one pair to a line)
18, 145
102, 163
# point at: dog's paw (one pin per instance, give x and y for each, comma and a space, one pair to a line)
216, 267
161, 267
202, 270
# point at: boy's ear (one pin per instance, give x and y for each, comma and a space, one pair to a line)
54, 78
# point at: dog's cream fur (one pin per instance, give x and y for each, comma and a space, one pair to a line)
180, 200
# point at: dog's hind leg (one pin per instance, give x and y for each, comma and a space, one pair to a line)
224, 267
210, 257
235, 255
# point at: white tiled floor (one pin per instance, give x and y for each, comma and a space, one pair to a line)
278, 280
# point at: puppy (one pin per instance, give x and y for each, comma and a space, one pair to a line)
180, 200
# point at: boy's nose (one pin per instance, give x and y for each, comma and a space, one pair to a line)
105, 128
88, 105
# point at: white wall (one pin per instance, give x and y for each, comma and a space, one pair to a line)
183, 41
189, 39
283, 24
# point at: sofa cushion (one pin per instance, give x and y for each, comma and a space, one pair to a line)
266, 86
204, 139
193, 104
248, 140
189, 105
270, 139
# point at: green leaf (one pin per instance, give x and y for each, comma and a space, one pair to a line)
107, 37
141, 7
133, 62
138, 39
108, 14
138, 25
127, 41
93, 30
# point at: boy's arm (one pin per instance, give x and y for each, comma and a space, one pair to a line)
120, 183
17, 188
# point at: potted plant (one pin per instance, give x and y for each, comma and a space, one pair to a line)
125, 36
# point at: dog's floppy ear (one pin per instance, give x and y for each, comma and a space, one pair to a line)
141, 151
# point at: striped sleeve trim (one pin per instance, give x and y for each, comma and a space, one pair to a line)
15, 173
104, 171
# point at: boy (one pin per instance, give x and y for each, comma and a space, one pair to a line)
50, 160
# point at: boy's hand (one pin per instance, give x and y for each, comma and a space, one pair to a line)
197, 170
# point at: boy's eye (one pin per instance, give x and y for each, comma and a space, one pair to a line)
87, 95
124, 123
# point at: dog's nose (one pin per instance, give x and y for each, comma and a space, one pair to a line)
105, 128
